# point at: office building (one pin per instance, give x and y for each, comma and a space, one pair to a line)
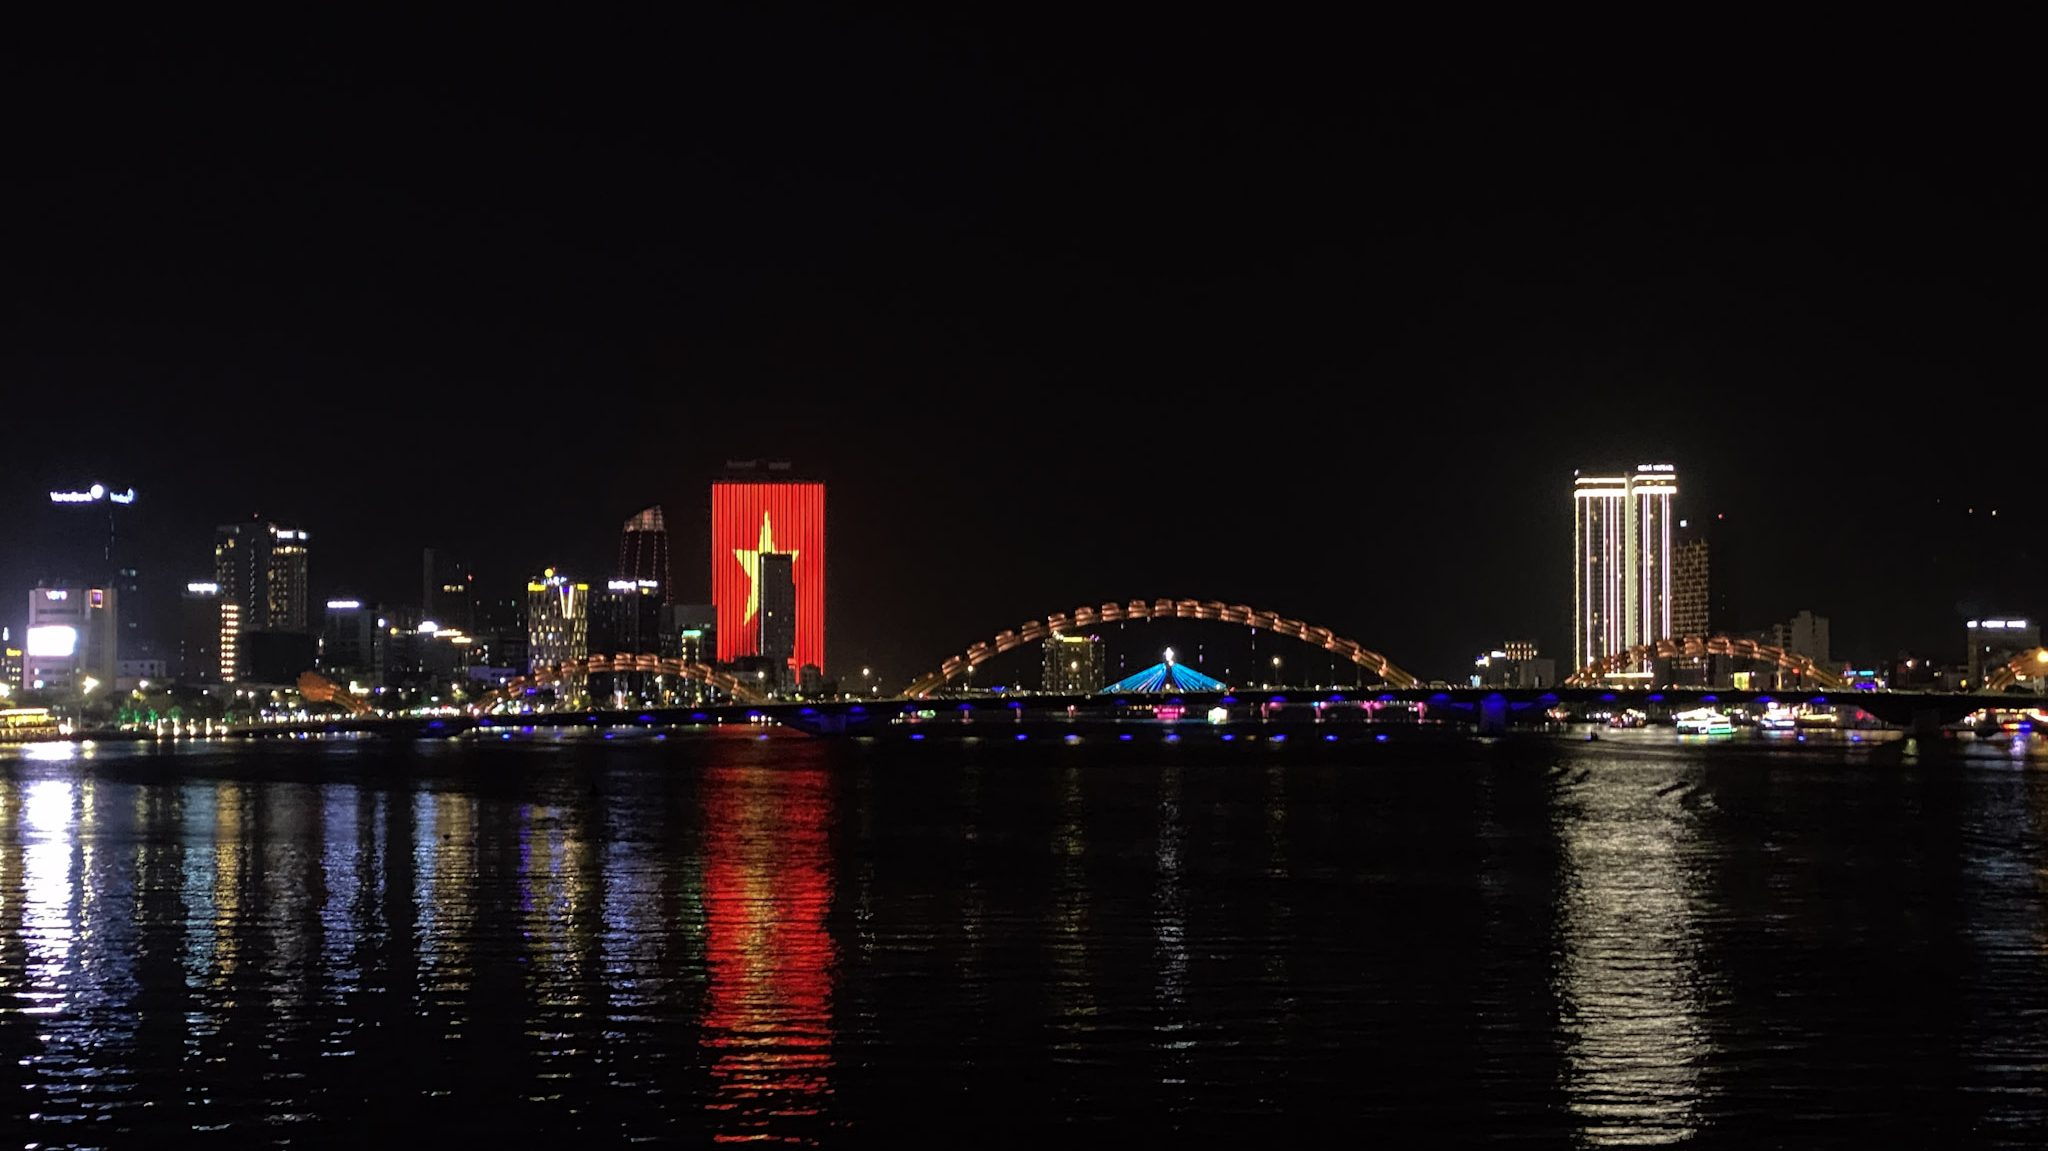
89, 544
1691, 583
447, 587
261, 568
643, 550
558, 632
689, 632
625, 618
1622, 537
501, 634
1514, 664
1072, 665
71, 643
352, 642
778, 616
1993, 643
195, 648
763, 512
1806, 634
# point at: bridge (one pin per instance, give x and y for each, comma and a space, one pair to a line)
1340, 714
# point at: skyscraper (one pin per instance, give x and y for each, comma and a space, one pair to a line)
1622, 534
643, 550
779, 615
261, 568
558, 631
750, 519
1691, 583
89, 544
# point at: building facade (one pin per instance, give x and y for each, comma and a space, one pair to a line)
1994, 642
195, 649
750, 519
1622, 540
447, 589
71, 645
259, 569
1073, 665
779, 615
558, 631
643, 550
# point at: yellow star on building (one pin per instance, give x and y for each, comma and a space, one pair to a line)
750, 560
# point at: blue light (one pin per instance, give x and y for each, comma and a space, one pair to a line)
1228, 699
1381, 737
807, 711
1710, 699
1440, 697
1330, 738
1173, 737
917, 735
1021, 737
1016, 704
504, 735
1277, 699
1386, 697
1656, 697
1125, 736
754, 716
965, 707
611, 735
857, 709
1336, 699
699, 716
1279, 737
1227, 737
436, 725
645, 718
1607, 697
1547, 697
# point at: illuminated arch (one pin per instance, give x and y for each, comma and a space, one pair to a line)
2027, 663
1034, 631
317, 688
740, 690
1694, 647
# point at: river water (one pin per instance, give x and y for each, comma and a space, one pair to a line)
712, 938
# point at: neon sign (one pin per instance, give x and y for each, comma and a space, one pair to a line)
93, 494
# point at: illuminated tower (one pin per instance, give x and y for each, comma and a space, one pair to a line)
643, 550
1622, 535
750, 519
558, 631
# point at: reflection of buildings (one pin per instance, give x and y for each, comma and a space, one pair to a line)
1622, 536
767, 893
1629, 981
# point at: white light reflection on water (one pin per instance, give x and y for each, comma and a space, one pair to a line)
1628, 983
48, 814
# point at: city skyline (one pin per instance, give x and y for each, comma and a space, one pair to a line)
973, 302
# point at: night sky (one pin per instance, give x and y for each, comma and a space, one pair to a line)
1322, 323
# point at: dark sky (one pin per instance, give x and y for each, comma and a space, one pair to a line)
1296, 316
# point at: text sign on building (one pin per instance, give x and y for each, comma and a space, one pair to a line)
747, 520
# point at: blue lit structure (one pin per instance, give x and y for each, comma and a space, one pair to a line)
1165, 677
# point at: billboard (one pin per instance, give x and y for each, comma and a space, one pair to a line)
748, 519
52, 641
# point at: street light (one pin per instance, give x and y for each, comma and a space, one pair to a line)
1276, 669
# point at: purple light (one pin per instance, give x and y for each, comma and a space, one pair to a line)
1125, 736
1021, 737
1279, 737
1227, 737
917, 735
1173, 737
1330, 738
1380, 738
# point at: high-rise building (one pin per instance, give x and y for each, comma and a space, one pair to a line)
230, 644
625, 618
643, 550
195, 654
1514, 664
1993, 644
778, 615
1622, 535
501, 632
89, 545
72, 638
352, 642
261, 568
1073, 665
1691, 583
689, 632
446, 590
770, 516
558, 631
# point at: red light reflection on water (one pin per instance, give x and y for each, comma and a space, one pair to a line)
767, 892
